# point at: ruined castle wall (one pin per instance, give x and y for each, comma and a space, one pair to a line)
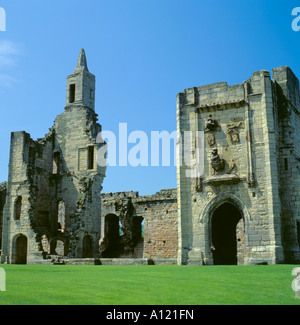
159, 213
76, 131
246, 137
288, 102
17, 223
42, 185
161, 223
54, 183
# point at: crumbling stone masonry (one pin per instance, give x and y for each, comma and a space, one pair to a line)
245, 207
134, 226
53, 200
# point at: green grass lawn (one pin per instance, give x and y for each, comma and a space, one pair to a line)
148, 285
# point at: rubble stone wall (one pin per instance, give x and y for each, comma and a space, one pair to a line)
159, 212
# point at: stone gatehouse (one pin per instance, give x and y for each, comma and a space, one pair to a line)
242, 208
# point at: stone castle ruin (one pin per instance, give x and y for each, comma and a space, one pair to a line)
52, 197
243, 209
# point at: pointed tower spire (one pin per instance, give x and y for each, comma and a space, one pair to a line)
82, 62
81, 85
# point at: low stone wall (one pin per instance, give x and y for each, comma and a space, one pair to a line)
109, 261
82, 261
123, 261
162, 261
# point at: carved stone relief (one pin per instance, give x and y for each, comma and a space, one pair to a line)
211, 124
233, 132
217, 163
210, 138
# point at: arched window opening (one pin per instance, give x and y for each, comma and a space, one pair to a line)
56, 163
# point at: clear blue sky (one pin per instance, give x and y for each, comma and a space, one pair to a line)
143, 52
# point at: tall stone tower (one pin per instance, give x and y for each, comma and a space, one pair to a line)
242, 205
53, 191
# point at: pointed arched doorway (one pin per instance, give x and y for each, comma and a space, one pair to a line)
20, 250
226, 223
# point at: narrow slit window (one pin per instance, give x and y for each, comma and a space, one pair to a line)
298, 232
286, 164
18, 208
31, 155
72, 93
91, 157
61, 212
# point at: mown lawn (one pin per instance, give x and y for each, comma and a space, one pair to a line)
148, 285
